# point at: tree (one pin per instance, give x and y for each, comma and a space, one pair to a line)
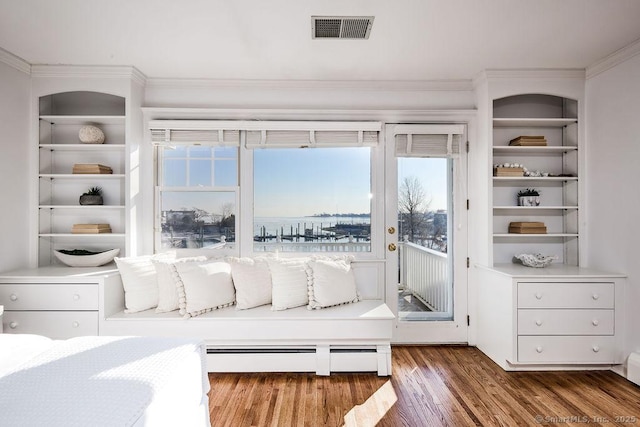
412, 204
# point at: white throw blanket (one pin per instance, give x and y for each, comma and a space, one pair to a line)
103, 381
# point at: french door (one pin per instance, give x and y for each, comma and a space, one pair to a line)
426, 232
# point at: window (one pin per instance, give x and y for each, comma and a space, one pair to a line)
312, 199
198, 193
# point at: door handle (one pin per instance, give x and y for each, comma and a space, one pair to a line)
391, 230
392, 247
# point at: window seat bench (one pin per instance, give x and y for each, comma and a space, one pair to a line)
347, 338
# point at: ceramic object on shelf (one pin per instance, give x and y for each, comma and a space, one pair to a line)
91, 135
82, 258
535, 260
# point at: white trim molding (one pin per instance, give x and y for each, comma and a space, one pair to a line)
14, 61
614, 59
529, 73
363, 85
101, 71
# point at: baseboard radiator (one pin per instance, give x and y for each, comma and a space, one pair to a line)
321, 359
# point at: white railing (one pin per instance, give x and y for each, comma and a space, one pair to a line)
424, 272
311, 247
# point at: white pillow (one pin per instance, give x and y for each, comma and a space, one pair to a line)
333, 283
167, 278
290, 282
252, 281
139, 280
204, 286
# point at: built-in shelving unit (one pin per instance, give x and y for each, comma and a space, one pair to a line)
555, 118
59, 148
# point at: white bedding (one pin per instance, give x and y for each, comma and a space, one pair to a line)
102, 381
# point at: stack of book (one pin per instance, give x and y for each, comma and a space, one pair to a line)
529, 141
527, 228
91, 228
502, 171
93, 168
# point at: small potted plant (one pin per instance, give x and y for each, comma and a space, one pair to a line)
529, 197
93, 196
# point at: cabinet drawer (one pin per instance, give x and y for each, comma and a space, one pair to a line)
565, 322
53, 324
565, 295
566, 349
49, 297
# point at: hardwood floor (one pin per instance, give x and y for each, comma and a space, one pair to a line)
430, 386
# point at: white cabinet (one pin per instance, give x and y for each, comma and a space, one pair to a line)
559, 317
554, 174
53, 301
59, 189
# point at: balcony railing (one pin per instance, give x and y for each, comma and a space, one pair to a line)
424, 272
331, 247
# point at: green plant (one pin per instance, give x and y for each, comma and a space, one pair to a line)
528, 192
93, 191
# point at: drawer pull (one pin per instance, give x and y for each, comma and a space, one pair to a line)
596, 349
539, 322
13, 325
539, 349
13, 297
595, 322
538, 295
76, 297
76, 324
595, 296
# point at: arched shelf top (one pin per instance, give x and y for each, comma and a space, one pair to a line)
82, 103
535, 106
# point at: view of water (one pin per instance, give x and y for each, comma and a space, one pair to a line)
314, 225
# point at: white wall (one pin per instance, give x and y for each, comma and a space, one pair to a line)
14, 168
613, 177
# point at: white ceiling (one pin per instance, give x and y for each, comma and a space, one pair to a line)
258, 39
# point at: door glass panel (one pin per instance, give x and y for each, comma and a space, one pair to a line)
425, 212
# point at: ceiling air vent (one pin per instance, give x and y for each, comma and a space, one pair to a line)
341, 27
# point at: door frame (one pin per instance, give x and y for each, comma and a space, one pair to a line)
434, 331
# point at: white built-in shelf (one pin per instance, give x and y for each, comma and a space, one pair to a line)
535, 178
80, 176
510, 149
86, 207
89, 119
530, 122
547, 235
82, 147
84, 235
534, 208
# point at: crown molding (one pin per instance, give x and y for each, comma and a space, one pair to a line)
616, 58
14, 61
363, 85
100, 71
532, 73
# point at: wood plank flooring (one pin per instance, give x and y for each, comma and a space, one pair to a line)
430, 386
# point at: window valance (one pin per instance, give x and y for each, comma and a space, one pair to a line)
276, 134
429, 140
198, 132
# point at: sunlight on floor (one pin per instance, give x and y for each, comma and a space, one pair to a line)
376, 406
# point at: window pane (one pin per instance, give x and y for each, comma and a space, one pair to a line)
226, 152
197, 219
226, 173
200, 173
315, 199
174, 172
200, 151
175, 152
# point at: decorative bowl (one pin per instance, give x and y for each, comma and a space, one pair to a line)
91, 135
535, 260
82, 258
